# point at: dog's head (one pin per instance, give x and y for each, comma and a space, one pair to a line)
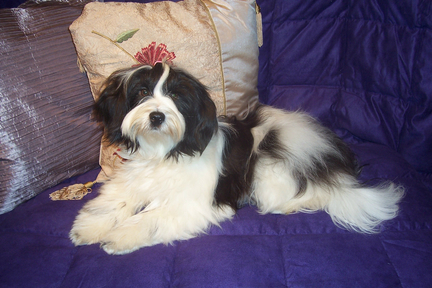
158, 111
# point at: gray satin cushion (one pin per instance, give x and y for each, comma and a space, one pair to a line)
46, 131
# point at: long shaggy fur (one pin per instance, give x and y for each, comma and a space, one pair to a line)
188, 170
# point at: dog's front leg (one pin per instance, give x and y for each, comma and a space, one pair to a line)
97, 217
161, 225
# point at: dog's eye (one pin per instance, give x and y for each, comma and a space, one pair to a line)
173, 95
144, 92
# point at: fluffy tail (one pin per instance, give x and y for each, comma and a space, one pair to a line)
362, 209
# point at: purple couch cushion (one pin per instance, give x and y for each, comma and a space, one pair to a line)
252, 250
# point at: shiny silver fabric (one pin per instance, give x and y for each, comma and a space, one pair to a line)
46, 132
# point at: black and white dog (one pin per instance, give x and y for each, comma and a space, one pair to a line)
187, 169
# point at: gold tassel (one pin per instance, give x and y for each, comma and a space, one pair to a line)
73, 192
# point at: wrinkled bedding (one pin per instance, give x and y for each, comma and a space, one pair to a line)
364, 69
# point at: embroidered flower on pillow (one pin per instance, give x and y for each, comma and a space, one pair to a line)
149, 55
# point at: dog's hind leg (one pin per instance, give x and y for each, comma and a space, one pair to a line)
277, 190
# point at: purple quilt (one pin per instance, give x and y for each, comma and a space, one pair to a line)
364, 69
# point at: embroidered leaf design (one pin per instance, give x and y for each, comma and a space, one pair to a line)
126, 35
120, 38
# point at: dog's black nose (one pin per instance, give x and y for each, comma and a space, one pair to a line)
157, 118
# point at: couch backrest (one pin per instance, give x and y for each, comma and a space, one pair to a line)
364, 68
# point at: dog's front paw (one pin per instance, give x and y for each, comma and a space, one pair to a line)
125, 239
89, 229
82, 236
76, 238
115, 248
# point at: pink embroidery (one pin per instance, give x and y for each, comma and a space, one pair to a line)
151, 54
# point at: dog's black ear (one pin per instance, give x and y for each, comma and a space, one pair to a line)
206, 126
200, 117
111, 108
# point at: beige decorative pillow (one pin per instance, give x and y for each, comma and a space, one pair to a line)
215, 41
